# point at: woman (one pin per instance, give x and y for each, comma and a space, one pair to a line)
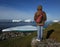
40, 23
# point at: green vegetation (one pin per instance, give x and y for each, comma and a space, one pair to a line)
55, 35
26, 41
18, 42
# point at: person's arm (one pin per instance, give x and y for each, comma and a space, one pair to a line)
35, 16
44, 16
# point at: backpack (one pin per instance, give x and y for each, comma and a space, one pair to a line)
39, 18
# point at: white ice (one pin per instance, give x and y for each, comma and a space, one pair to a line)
21, 28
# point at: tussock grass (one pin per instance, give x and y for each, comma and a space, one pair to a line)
18, 42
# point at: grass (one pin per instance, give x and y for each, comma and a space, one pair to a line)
56, 31
26, 41
18, 42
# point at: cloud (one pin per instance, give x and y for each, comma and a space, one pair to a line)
11, 13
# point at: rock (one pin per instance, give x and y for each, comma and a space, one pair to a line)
34, 42
44, 43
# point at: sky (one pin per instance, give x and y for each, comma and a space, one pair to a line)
25, 9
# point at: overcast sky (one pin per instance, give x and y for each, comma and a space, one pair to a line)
25, 9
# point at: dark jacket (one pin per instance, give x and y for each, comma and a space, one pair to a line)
43, 19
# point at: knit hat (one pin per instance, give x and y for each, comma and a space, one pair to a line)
39, 7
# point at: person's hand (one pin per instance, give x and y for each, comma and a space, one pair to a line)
40, 24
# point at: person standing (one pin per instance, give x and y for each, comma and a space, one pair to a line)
40, 18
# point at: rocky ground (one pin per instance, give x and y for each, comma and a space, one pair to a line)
51, 37
45, 43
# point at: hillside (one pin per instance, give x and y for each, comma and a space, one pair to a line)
52, 32
18, 42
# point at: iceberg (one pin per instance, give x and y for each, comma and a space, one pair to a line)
21, 28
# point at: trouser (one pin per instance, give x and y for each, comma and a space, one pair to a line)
39, 32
